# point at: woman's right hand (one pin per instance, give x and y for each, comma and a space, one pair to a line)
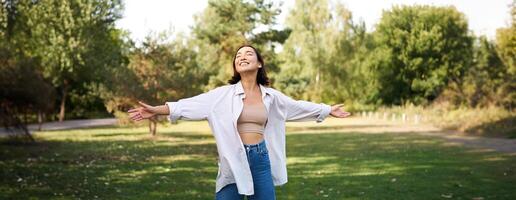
144, 112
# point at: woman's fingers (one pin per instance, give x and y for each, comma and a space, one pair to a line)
134, 115
131, 115
337, 107
144, 104
137, 117
140, 113
341, 114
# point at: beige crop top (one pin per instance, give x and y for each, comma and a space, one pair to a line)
252, 119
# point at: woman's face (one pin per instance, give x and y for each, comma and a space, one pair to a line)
246, 60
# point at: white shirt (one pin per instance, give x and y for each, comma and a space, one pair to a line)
222, 107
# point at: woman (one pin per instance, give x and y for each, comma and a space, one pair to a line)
248, 122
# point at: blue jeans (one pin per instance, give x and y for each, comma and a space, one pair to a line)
258, 158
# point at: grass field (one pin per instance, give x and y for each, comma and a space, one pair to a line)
325, 161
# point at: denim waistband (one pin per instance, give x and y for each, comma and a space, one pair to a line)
259, 146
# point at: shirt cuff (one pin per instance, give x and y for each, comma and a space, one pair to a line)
174, 112
325, 111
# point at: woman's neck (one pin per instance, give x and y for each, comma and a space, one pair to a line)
249, 82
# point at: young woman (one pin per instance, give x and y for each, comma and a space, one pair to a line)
247, 119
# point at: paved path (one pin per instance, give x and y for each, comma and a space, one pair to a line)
69, 124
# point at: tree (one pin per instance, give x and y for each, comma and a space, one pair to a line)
359, 86
225, 25
69, 37
324, 54
506, 48
24, 89
306, 50
420, 49
157, 72
485, 76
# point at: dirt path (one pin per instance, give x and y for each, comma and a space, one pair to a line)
364, 125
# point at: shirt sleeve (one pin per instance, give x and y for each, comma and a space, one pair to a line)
299, 110
193, 108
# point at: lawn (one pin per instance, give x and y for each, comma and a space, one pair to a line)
325, 161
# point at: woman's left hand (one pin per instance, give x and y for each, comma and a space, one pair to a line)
337, 112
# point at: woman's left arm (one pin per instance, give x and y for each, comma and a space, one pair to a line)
300, 110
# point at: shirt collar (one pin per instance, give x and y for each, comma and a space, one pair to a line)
240, 89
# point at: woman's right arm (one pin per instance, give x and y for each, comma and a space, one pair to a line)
192, 108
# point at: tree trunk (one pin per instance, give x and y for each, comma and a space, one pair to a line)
23, 127
25, 118
63, 102
317, 85
152, 126
40, 120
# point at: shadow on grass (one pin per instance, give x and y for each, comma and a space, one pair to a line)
505, 127
182, 165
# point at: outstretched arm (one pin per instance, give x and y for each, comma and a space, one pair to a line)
192, 108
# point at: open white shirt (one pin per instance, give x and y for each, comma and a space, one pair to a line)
222, 107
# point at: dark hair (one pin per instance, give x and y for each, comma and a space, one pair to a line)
261, 77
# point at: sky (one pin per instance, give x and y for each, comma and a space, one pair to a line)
141, 17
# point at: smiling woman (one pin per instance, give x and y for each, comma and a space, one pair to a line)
247, 119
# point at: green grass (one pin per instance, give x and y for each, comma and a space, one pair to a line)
180, 163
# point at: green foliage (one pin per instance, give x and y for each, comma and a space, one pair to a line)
158, 71
316, 54
21, 82
415, 54
225, 25
327, 56
67, 33
24, 90
491, 78
304, 52
73, 44
506, 48
420, 49
506, 42
485, 77
74, 41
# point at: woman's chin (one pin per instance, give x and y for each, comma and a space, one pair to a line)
247, 70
